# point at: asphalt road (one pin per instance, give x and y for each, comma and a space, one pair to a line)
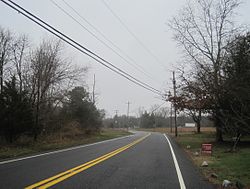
141, 161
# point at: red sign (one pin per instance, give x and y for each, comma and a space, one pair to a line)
206, 149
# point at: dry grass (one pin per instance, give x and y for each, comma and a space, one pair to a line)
181, 130
67, 137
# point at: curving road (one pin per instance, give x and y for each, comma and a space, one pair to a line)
142, 160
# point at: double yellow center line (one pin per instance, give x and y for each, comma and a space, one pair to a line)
71, 172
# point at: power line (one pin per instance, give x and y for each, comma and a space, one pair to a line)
158, 107
78, 46
132, 33
96, 37
136, 66
104, 44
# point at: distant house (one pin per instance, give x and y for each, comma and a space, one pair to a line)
190, 124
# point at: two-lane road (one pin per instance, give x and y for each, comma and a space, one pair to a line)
142, 160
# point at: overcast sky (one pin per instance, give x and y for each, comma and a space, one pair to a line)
145, 18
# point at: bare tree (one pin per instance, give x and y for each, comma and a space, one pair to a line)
19, 53
202, 29
41, 76
140, 111
160, 111
47, 77
5, 52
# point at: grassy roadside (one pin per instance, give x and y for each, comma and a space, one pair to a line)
56, 142
233, 166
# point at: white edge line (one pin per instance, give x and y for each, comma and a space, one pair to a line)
63, 150
178, 171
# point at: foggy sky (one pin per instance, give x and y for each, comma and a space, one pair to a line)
145, 18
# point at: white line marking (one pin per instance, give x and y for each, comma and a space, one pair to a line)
63, 150
178, 171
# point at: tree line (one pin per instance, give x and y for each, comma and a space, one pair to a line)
214, 78
41, 91
160, 118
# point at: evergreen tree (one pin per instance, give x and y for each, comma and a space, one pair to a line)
80, 108
235, 104
15, 112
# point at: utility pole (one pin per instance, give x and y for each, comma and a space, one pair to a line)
116, 112
171, 112
93, 93
128, 103
171, 117
115, 118
128, 113
175, 119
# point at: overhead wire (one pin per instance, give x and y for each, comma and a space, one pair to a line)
158, 107
96, 37
135, 65
78, 46
132, 34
